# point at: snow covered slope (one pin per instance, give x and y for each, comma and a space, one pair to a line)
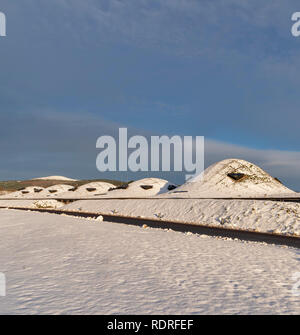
232, 178
257, 215
63, 265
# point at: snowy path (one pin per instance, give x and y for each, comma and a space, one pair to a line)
57, 264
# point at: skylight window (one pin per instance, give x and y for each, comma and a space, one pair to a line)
237, 176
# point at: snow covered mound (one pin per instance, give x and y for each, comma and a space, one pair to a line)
233, 178
92, 189
62, 178
54, 191
95, 188
142, 188
31, 192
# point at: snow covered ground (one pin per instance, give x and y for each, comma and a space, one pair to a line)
62, 265
258, 215
44, 203
156, 198
255, 215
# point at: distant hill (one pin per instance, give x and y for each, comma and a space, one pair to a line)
62, 178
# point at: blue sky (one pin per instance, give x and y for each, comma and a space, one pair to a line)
73, 70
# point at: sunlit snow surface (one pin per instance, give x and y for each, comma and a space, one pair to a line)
63, 265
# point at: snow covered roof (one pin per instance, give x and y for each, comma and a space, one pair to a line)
55, 190
232, 178
88, 190
30, 191
142, 188
98, 187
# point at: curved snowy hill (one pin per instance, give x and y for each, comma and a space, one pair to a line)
88, 190
142, 188
54, 190
233, 178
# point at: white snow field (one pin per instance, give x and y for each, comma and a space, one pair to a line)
62, 265
27, 203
